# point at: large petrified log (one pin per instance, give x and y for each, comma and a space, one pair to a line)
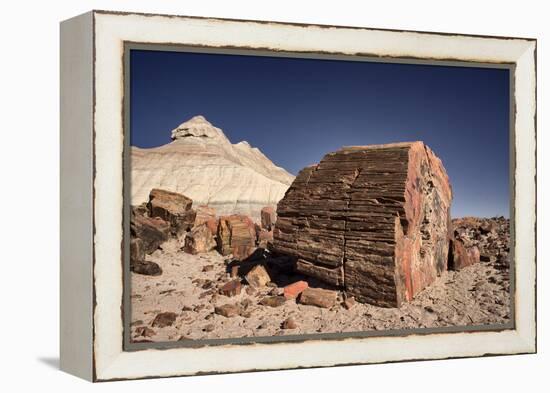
374, 220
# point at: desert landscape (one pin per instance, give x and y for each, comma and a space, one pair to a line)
225, 244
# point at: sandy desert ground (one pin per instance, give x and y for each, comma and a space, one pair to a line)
189, 288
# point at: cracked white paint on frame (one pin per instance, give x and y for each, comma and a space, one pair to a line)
111, 30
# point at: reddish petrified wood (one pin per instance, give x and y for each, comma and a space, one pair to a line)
236, 235
292, 291
172, 207
460, 256
206, 215
231, 288
199, 240
373, 220
152, 232
268, 217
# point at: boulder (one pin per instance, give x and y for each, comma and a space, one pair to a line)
231, 288
258, 276
236, 235
172, 207
137, 252
199, 240
268, 217
473, 253
206, 215
460, 256
319, 297
292, 291
152, 231
373, 220
265, 237
491, 237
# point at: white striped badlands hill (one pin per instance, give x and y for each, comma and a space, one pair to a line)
204, 165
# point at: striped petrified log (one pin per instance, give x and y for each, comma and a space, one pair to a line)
374, 220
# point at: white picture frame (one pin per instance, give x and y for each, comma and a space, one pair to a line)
92, 193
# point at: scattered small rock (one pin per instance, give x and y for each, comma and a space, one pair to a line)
208, 268
258, 276
323, 298
275, 291
144, 331
147, 268
289, 323
273, 301
227, 310
208, 284
207, 293
245, 303
231, 288
164, 319
349, 303
208, 328
142, 341
293, 290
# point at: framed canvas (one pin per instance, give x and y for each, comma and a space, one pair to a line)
246, 195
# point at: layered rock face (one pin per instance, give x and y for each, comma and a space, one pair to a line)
374, 220
202, 164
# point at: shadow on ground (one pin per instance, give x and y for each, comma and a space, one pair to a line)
52, 362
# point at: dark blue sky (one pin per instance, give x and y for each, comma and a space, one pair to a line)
297, 110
